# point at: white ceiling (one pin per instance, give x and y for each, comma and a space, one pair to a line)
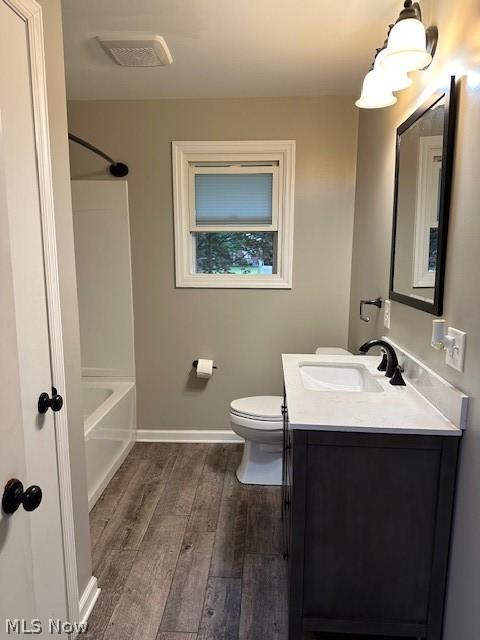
227, 48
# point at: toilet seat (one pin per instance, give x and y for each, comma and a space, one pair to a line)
259, 426
258, 408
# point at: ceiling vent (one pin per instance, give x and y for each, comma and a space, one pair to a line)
136, 50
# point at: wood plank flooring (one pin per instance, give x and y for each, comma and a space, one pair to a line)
183, 551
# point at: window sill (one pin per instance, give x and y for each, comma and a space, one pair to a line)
206, 281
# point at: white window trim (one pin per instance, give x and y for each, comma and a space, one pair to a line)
426, 208
278, 151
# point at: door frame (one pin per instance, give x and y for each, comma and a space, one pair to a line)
30, 12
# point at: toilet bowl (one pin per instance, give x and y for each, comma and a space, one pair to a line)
259, 421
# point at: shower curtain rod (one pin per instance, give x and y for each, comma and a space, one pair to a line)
117, 169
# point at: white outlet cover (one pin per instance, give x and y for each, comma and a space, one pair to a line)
456, 358
387, 314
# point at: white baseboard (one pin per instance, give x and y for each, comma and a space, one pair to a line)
88, 599
187, 435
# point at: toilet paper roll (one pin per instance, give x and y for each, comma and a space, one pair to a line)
204, 368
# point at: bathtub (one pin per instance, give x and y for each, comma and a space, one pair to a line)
109, 420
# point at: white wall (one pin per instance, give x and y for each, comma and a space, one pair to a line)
104, 280
52, 20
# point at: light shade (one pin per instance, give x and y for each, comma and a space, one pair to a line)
376, 91
398, 80
407, 47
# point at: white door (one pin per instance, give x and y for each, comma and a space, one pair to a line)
32, 573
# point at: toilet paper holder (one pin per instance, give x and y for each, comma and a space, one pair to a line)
195, 364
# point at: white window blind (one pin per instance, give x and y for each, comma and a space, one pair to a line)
222, 198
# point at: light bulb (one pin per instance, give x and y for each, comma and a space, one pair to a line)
407, 47
376, 91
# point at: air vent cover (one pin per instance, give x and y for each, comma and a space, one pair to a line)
139, 50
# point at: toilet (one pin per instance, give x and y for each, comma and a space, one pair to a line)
259, 420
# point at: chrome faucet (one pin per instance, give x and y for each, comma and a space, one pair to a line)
389, 362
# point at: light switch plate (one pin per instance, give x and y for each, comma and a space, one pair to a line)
387, 313
456, 358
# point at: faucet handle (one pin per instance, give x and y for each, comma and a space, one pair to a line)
383, 364
397, 378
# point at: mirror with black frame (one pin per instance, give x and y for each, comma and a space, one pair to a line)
423, 176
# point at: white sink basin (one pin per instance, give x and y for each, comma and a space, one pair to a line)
318, 376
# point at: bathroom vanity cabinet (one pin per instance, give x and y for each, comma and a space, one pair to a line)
367, 530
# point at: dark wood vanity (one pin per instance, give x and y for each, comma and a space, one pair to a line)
367, 531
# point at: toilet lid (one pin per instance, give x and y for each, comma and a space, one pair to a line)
259, 407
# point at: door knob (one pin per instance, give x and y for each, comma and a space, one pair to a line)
14, 496
55, 403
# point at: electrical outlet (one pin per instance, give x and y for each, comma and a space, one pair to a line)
387, 313
456, 357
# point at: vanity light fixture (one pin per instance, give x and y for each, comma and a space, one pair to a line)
397, 79
376, 90
378, 85
410, 47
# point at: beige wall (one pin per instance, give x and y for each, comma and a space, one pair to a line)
459, 25
68, 290
245, 331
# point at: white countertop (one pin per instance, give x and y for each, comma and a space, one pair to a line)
398, 410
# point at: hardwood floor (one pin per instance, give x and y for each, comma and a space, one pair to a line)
183, 551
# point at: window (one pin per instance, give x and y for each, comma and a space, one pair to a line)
233, 206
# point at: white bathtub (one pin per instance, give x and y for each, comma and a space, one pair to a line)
109, 419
